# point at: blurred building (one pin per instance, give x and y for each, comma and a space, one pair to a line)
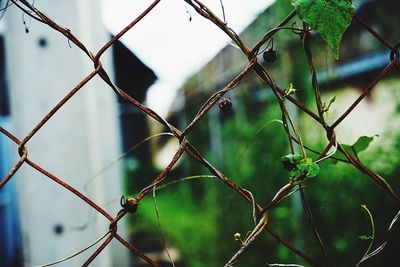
242, 145
362, 57
39, 220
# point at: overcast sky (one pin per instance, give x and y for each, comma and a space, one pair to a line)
171, 44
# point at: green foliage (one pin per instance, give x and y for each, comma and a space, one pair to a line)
360, 145
328, 17
298, 166
205, 213
326, 107
291, 160
336, 195
186, 223
331, 100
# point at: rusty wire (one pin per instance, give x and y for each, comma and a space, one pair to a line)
130, 205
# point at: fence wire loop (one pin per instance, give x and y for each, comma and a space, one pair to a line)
129, 204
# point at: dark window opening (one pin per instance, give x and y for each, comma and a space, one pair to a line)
131, 74
135, 78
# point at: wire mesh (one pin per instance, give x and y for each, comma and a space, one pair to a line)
261, 212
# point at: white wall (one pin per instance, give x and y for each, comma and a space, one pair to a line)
76, 143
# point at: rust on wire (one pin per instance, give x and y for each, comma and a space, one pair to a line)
130, 205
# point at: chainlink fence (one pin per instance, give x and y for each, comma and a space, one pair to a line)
282, 97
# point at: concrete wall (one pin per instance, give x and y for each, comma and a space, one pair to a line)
76, 143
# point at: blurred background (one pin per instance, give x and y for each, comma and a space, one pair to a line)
173, 61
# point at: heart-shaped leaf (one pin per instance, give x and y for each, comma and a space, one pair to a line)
328, 17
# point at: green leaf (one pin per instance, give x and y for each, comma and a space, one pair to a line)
360, 145
349, 149
292, 158
295, 173
298, 166
326, 107
313, 170
363, 142
328, 17
303, 167
331, 100
309, 168
290, 161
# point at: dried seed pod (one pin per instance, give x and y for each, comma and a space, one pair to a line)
225, 104
270, 55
